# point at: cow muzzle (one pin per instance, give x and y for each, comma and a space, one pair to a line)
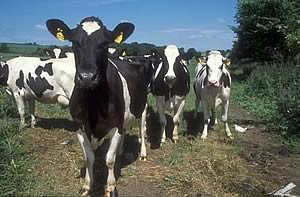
170, 80
87, 80
214, 83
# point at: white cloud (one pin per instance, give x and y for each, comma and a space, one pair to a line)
40, 27
221, 20
172, 30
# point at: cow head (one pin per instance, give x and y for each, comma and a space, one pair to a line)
55, 52
90, 41
167, 60
3, 74
215, 64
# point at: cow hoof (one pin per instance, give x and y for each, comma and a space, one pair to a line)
143, 158
84, 192
175, 141
203, 137
231, 137
111, 194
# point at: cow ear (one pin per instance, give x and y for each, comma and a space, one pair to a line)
202, 60
122, 32
46, 51
59, 29
226, 61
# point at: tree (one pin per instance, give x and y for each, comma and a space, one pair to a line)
267, 30
4, 48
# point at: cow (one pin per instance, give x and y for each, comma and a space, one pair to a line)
109, 94
212, 87
57, 52
30, 79
170, 85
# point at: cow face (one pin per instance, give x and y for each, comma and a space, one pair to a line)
215, 66
90, 40
168, 61
3, 74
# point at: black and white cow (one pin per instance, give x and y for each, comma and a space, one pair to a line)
30, 79
170, 85
108, 94
212, 87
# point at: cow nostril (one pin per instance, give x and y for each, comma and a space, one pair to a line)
94, 77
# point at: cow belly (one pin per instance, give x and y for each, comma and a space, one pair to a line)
50, 96
173, 102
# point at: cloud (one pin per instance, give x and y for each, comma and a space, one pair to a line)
172, 30
221, 20
194, 36
40, 27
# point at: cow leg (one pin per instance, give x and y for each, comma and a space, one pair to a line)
197, 102
160, 104
63, 100
143, 156
218, 102
21, 109
31, 111
224, 118
120, 150
110, 162
206, 119
89, 159
176, 119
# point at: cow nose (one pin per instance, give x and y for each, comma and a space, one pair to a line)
87, 79
170, 79
213, 83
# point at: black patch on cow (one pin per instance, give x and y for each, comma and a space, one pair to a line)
4, 72
62, 55
20, 80
47, 68
225, 80
38, 85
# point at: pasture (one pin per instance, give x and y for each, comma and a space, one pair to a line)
48, 160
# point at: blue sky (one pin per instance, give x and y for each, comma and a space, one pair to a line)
201, 24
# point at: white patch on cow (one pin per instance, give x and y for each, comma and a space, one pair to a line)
128, 116
90, 27
57, 52
158, 70
171, 52
112, 50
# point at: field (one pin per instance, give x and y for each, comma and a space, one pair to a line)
48, 160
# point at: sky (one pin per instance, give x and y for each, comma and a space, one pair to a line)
199, 24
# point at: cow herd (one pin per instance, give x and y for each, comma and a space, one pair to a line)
106, 94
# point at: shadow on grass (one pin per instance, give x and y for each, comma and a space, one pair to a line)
154, 130
57, 123
194, 125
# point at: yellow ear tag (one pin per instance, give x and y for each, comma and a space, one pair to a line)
227, 63
59, 34
119, 38
124, 54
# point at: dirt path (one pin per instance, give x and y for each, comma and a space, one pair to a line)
54, 144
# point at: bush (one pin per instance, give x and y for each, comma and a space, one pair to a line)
8, 107
272, 92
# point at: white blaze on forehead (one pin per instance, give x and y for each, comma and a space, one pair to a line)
90, 27
171, 52
215, 59
56, 51
112, 50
